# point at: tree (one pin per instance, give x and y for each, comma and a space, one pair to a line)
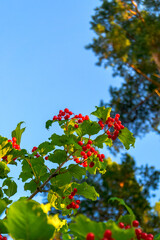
80, 142
127, 38
130, 183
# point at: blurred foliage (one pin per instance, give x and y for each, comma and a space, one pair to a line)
127, 39
120, 181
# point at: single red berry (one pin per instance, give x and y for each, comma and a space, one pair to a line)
66, 110
4, 238
34, 149
68, 207
46, 158
90, 236
88, 146
73, 194
14, 139
78, 201
77, 206
73, 205
121, 224
85, 156
89, 141
135, 223
77, 160
17, 146
84, 148
91, 164
80, 120
9, 140
85, 164
92, 149
143, 235
80, 143
138, 231
108, 233
76, 126
67, 117
70, 113
63, 197
75, 190
150, 235
89, 153
86, 117
55, 118
102, 156
80, 115
127, 227
82, 153
70, 197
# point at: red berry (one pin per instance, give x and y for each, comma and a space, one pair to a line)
143, 235
77, 206
66, 110
59, 118
85, 164
80, 143
67, 117
85, 156
91, 164
34, 149
4, 238
76, 126
9, 140
138, 231
108, 234
46, 158
17, 147
127, 227
72, 194
121, 224
14, 139
102, 156
55, 118
82, 153
70, 197
78, 201
89, 141
63, 197
89, 153
92, 149
135, 223
88, 146
75, 190
70, 113
150, 235
90, 236
86, 117
80, 115
84, 148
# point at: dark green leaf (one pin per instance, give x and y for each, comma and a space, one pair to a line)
59, 156
126, 137
12, 187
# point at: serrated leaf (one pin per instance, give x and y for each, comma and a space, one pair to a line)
49, 124
45, 148
76, 171
61, 179
61, 140
4, 170
12, 187
101, 139
102, 113
88, 127
126, 137
59, 156
31, 186
17, 133
86, 190
26, 220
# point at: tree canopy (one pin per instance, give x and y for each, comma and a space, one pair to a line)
127, 39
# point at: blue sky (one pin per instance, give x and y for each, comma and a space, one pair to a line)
44, 67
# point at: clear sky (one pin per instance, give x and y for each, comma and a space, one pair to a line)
44, 67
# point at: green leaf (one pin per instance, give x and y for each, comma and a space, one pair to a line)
26, 220
61, 179
82, 226
121, 202
3, 206
12, 187
49, 124
59, 156
5, 147
126, 137
4, 170
31, 186
17, 133
45, 148
3, 228
101, 139
26, 171
157, 237
77, 171
88, 127
86, 190
102, 113
61, 140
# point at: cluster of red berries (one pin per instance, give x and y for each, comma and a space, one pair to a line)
2, 238
87, 152
112, 122
106, 236
139, 233
66, 114
73, 204
37, 154
14, 145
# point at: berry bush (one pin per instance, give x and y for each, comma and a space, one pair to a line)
56, 166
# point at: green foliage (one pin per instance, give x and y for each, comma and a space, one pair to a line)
4, 170
12, 187
17, 133
126, 137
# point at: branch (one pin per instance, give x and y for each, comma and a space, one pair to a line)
144, 75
